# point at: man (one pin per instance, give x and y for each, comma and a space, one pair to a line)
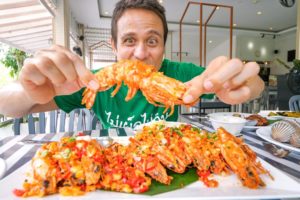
54, 78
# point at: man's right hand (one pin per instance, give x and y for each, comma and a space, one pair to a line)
52, 72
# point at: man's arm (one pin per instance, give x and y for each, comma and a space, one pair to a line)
14, 102
51, 72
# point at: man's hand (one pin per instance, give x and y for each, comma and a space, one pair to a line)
52, 72
232, 81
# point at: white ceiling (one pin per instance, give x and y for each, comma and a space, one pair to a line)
25, 24
244, 13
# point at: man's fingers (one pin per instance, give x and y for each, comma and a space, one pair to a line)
236, 96
215, 64
195, 89
215, 81
196, 86
250, 70
86, 77
63, 63
31, 73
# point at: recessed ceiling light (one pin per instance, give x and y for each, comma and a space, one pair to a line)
106, 13
217, 7
198, 21
259, 13
271, 28
210, 41
250, 45
234, 24
160, 1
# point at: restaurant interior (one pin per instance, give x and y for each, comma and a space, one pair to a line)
252, 30
264, 31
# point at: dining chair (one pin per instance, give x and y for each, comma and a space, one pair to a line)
79, 119
32, 118
294, 103
58, 121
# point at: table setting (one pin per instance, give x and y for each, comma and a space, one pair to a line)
18, 151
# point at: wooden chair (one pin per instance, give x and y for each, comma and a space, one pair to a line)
80, 120
48, 122
294, 103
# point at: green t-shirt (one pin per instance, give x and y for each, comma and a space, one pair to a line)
116, 112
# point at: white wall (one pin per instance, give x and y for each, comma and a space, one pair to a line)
191, 45
220, 47
255, 48
261, 49
283, 43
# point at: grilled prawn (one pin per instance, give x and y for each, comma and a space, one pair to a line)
158, 89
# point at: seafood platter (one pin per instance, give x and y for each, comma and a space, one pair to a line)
159, 161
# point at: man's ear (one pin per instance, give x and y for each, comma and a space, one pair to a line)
113, 45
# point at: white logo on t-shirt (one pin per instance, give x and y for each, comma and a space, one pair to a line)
117, 122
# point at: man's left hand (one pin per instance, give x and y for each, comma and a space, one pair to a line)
232, 81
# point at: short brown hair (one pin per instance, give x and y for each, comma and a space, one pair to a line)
151, 5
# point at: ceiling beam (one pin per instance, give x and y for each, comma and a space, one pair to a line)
25, 26
16, 4
23, 19
25, 32
32, 41
21, 11
18, 14
32, 35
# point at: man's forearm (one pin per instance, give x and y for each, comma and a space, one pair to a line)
14, 102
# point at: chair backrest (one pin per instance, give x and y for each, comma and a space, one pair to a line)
59, 121
294, 103
79, 120
32, 118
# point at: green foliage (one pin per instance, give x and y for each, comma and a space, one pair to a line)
6, 123
296, 63
13, 60
179, 181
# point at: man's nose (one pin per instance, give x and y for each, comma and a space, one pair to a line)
141, 52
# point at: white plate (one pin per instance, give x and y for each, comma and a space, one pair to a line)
266, 113
2, 167
229, 188
243, 115
251, 128
265, 133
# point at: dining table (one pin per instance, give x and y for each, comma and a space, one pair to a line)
17, 151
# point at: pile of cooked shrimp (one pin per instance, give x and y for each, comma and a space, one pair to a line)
76, 165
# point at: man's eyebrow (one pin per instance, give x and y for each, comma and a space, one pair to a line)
127, 34
155, 32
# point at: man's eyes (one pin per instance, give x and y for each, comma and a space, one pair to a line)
131, 41
128, 41
152, 42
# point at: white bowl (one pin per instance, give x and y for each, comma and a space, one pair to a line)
233, 125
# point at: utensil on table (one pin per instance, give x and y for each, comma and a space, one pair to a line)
275, 150
37, 142
2, 167
104, 141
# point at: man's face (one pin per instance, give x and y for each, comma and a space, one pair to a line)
140, 37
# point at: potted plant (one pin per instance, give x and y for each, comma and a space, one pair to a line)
13, 60
293, 79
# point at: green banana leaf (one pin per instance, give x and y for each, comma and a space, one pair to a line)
271, 121
179, 181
